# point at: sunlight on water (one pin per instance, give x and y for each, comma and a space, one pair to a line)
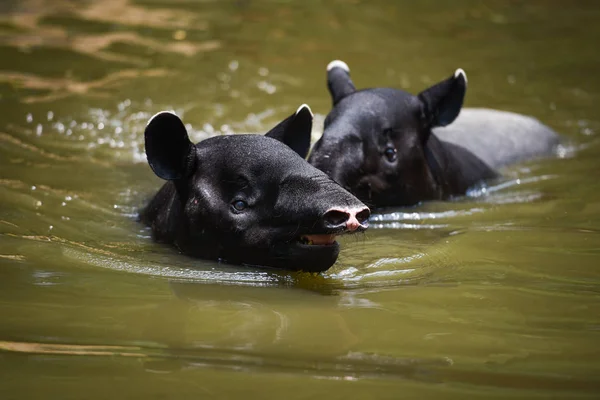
119, 133
184, 273
483, 190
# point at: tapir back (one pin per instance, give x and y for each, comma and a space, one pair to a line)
499, 138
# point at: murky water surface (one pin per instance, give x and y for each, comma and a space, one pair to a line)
494, 295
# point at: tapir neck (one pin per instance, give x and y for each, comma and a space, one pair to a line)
453, 167
165, 214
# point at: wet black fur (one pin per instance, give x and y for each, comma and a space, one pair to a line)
286, 197
428, 163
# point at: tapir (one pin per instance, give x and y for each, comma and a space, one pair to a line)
247, 199
391, 148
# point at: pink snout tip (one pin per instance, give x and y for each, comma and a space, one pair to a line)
352, 224
352, 218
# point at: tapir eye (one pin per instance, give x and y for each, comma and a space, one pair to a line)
239, 205
390, 154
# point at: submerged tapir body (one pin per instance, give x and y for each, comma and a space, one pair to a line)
391, 148
248, 199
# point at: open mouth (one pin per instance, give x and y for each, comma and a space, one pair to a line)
308, 253
317, 240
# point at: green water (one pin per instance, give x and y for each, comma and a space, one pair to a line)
496, 295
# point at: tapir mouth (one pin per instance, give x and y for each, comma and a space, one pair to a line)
308, 253
318, 240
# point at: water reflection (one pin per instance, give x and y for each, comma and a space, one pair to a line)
352, 366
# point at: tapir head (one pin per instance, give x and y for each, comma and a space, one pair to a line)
248, 199
375, 140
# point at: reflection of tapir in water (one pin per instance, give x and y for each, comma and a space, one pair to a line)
265, 328
387, 146
248, 199
248, 322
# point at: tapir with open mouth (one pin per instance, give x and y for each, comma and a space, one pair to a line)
248, 199
391, 148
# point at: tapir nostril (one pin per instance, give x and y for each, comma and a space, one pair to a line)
363, 215
335, 218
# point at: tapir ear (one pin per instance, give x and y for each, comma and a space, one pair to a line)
295, 130
443, 101
170, 153
338, 80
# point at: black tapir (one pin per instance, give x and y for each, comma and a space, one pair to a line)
387, 146
248, 199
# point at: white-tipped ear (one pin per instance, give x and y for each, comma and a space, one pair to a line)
460, 71
338, 80
443, 101
294, 131
160, 113
305, 106
338, 63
